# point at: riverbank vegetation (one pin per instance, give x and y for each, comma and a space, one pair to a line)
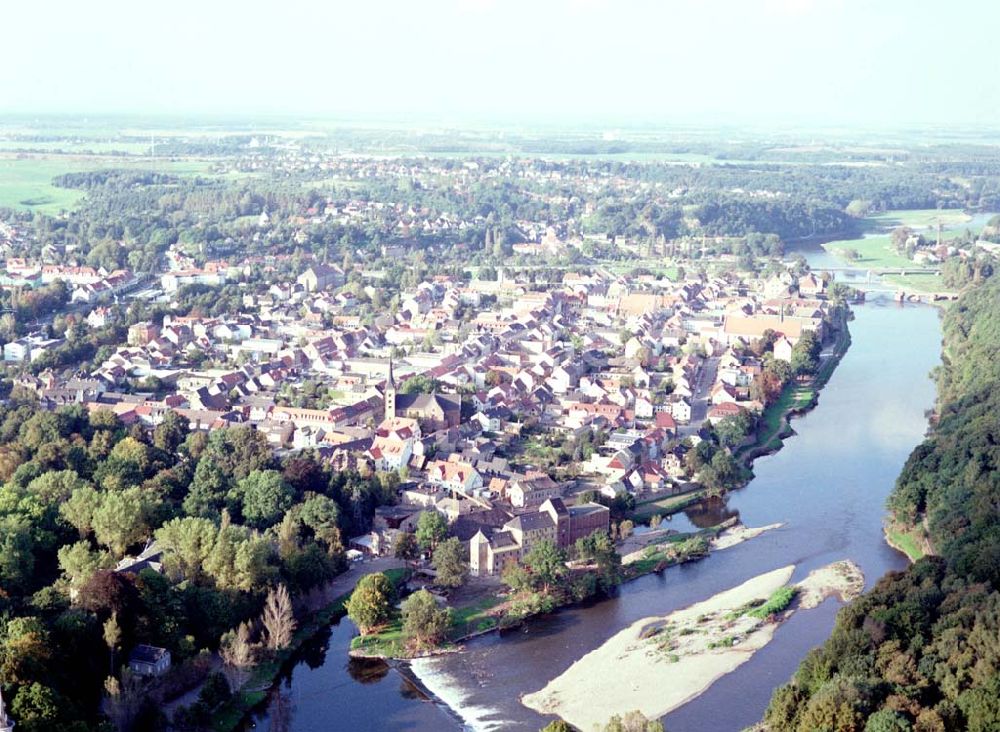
544, 581
909, 540
253, 678
919, 650
673, 549
797, 395
242, 538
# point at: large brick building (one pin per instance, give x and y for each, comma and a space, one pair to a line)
492, 550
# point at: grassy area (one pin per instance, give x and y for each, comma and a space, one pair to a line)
876, 252
876, 249
926, 282
227, 717
905, 541
666, 506
795, 396
26, 182
387, 642
954, 218
473, 617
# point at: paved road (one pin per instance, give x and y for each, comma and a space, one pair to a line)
700, 398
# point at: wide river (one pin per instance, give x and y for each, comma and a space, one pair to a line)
828, 486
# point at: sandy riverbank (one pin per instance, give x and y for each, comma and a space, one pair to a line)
843, 580
659, 663
738, 534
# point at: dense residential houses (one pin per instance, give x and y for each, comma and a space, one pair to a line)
464, 401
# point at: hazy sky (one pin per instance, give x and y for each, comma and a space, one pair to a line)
771, 61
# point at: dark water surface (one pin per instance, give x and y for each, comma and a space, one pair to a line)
827, 485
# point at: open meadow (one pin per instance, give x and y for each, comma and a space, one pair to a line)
26, 180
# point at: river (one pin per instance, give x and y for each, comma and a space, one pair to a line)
827, 485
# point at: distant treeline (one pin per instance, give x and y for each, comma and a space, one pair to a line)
96, 178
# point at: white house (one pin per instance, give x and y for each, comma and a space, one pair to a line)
783, 349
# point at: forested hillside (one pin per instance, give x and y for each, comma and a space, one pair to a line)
921, 650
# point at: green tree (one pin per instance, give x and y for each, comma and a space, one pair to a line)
406, 547
207, 493
424, 623
634, 721
451, 563
78, 562
599, 547
556, 726
321, 515
186, 544
431, 529
517, 578
981, 706
265, 497
119, 521
236, 559
132, 452
805, 354
112, 638
370, 605
170, 434
239, 451
79, 510
887, 720
37, 707
17, 553
547, 563
419, 384
732, 430
55, 487
25, 650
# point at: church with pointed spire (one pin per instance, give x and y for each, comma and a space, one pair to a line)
390, 394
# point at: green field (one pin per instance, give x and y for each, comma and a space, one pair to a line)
917, 283
793, 397
26, 182
666, 506
877, 251
655, 266
921, 218
905, 541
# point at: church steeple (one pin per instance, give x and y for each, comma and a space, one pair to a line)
389, 395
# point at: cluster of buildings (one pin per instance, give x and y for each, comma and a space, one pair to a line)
452, 387
86, 284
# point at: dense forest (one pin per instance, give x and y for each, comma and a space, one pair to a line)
921, 650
